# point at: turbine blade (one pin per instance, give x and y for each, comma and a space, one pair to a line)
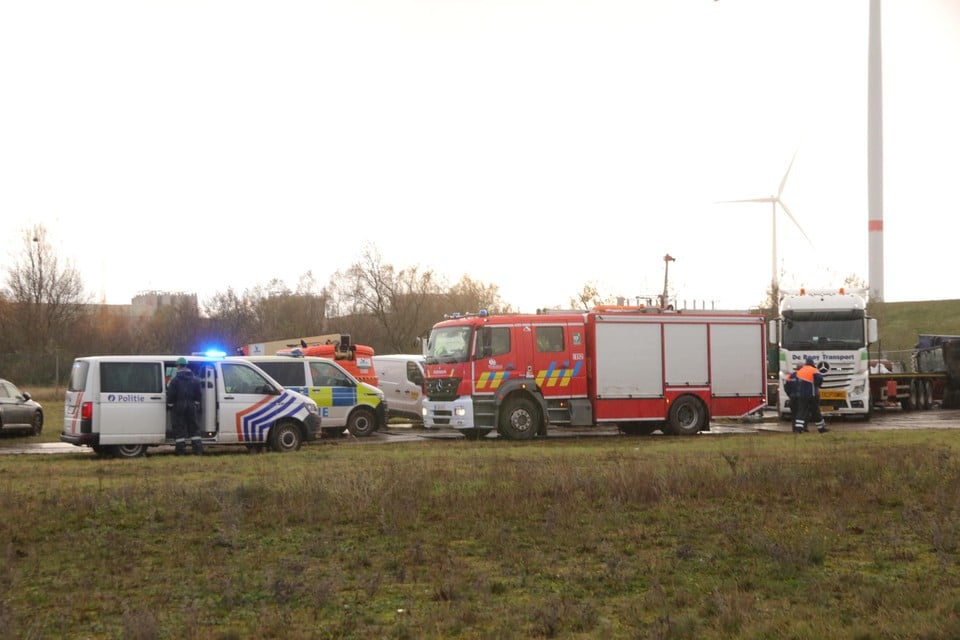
784, 181
770, 199
787, 211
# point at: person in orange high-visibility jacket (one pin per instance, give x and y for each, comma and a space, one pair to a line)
808, 379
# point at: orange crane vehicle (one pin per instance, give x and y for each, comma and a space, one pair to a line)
355, 358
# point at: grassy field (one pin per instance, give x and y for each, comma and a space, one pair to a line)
750, 536
849, 535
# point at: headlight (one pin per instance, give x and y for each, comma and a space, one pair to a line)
460, 412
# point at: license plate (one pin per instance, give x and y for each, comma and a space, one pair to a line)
833, 394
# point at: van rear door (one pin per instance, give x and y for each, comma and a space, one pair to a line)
132, 399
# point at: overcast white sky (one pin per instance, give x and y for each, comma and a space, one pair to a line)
538, 145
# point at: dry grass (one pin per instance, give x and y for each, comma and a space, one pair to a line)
754, 536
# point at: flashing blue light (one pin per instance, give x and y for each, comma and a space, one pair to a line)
483, 313
215, 353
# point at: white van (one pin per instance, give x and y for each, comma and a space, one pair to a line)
401, 380
343, 401
118, 405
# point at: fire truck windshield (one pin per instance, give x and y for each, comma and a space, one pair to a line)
448, 344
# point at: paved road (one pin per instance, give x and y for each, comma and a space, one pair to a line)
894, 419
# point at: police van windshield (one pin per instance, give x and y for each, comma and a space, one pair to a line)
448, 344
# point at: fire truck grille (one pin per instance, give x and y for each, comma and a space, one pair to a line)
442, 388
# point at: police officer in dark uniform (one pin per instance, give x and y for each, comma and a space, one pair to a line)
183, 398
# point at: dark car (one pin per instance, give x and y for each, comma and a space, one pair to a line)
18, 411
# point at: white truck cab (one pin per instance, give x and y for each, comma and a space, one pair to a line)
117, 405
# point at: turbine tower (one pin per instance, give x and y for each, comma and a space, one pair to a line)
774, 201
875, 156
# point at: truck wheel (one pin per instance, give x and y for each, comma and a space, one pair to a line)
362, 423
927, 395
128, 450
285, 436
519, 419
687, 416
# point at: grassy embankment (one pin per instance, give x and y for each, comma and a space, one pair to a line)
902, 322
754, 536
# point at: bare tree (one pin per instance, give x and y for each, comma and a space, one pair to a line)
472, 295
43, 298
588, 297
398, 300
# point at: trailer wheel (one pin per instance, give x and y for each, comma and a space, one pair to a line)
907, 404
284, 437
927, 395
915, 395
687, 416
362, 423
519, 419
128, 450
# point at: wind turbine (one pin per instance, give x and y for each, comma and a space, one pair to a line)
774, 201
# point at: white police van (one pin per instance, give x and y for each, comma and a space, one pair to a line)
343, 401
117, 405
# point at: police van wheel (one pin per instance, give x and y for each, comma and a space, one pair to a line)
129, 450
687, 416
519, 419
362, 423
285, 436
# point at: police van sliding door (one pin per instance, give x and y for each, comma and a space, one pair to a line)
208, 401
133, 407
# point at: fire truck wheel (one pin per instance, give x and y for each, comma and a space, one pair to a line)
129, 450
362, 423
285, 436
519, 419
687, 416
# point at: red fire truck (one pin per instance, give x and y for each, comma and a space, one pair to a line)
641, 369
